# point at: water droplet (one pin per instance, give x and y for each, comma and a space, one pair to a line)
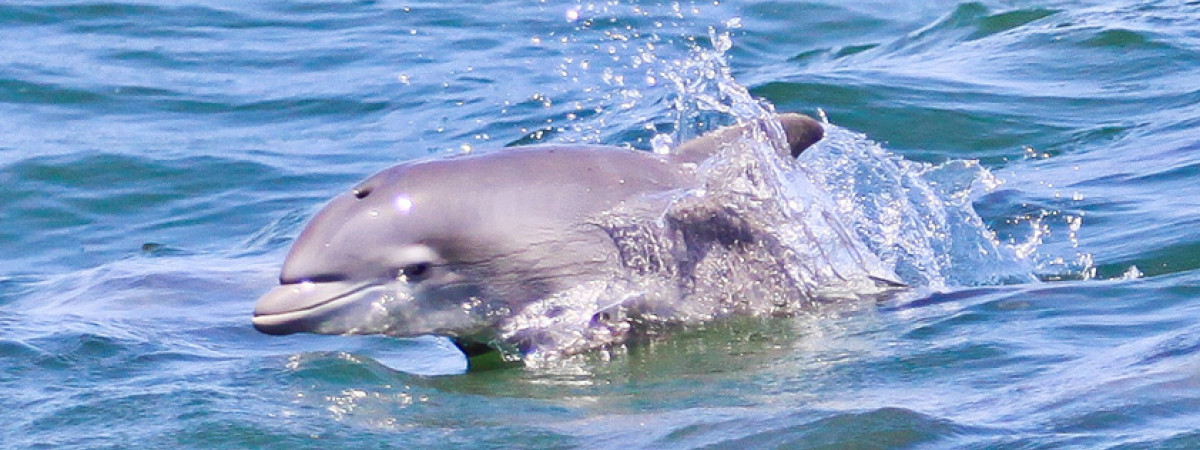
662, 143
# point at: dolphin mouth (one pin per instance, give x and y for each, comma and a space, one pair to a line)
301, 307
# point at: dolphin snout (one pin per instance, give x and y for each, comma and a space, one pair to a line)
275, 328
298, 307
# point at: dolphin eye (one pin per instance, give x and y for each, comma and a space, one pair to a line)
362, 192
416, 271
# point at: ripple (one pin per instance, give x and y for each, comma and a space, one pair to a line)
879, 428
122, 201
1009, 20
1121, 39
17, 91
339, 368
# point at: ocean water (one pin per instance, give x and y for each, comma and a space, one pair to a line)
157, 159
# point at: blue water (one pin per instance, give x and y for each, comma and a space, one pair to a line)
156, 159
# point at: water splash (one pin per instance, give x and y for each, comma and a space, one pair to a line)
653, 64
918, 217
915, 219
847, 220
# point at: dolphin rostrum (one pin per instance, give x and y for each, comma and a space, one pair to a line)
466, 247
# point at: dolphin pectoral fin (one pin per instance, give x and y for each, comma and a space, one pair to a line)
472, 349
802, 132
482, 356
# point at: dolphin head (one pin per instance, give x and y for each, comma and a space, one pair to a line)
377, 260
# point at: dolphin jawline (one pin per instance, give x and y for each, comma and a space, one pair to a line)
292, 321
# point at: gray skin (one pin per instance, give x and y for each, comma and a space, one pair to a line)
452, 246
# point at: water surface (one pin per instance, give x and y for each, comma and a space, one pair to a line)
156, 160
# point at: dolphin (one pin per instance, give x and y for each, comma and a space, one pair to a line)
457, 246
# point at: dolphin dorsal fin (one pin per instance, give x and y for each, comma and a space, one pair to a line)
802, 132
